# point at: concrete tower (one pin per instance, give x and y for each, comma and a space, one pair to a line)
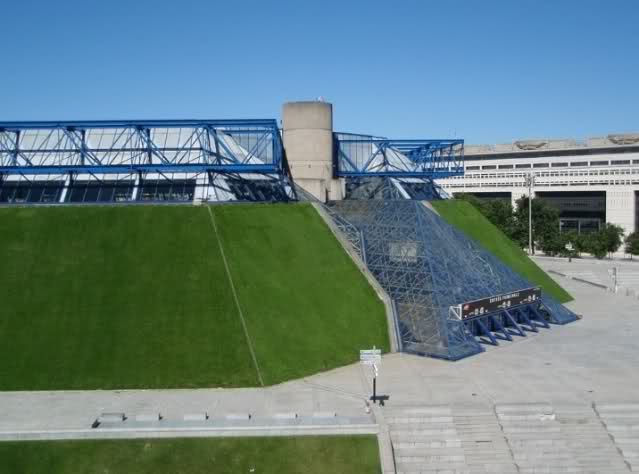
308, 141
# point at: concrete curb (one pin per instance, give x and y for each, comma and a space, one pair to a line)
185, 432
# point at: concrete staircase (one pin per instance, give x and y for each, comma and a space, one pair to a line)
527, 438
434, 440
621, 420
571, 440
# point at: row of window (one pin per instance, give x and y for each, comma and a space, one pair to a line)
563, 164
43, 192
544, 174
112, 191
520, 184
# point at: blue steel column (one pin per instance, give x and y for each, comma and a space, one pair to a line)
17, 149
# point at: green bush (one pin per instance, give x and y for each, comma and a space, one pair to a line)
632, 244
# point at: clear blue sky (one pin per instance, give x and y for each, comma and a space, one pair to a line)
486, 71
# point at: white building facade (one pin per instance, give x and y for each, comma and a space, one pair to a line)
591, 182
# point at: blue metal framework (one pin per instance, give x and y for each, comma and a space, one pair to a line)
113, 146
143, 160
491, 327
366, 156
427, 266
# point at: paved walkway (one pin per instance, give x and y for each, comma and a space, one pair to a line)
567, 368
598, 272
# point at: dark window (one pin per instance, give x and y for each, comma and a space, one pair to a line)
579, 163
506, 167
167, 190
30, 191
540, 165
598, 163
472, 168
489, 167
523, 165
100, 191
620, 162
559, 165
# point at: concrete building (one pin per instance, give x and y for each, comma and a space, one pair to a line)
591, 182
308, 141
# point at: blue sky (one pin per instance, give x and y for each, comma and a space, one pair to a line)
486, 71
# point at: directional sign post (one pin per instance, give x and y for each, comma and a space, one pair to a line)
373, 357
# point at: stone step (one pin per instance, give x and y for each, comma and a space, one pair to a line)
435, 410
532, 429
422, 424
526, 417
418, 442
604, 408
401, 451
621, 417
403, 468
567, 469
523, 408
401, 419
475, 470
427, 433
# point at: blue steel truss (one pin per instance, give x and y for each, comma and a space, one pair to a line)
426, 266
366, 156
489, 328
123, 146
142, 161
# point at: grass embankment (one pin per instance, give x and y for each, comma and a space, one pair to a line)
469, 220
139, 297
307, 305
313, 455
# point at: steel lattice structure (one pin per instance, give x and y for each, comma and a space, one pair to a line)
365, 156
163, 160
148, 145
427, 266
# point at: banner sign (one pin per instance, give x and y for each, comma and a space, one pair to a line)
473, 309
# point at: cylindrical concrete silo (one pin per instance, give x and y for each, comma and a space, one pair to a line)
308, 140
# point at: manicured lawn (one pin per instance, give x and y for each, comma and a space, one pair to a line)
469, 220
139, 297
116, 297
307, 305
313, 455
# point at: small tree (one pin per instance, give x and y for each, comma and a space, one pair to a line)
632, 244
613, 236
573, 240
580, 243
496, 210
596, 244
545, 224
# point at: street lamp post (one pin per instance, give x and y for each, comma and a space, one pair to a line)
530, 181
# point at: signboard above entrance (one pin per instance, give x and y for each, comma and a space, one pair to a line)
481, 307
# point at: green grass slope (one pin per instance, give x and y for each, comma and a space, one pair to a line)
307, 305
139, 297
116, 297
308, 454
469, 220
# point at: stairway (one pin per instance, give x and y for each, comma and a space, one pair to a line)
571, 440
622, 423
526, 438
434, 440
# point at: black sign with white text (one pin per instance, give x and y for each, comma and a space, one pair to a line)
473, 309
